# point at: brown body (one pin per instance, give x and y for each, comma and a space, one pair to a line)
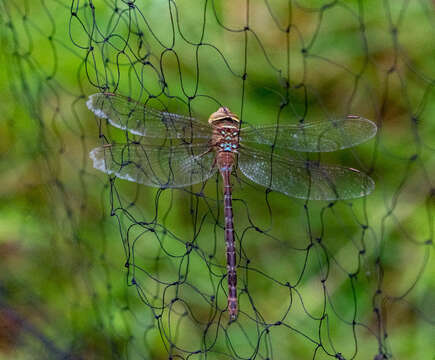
225, 143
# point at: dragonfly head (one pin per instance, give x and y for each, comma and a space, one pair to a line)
222, 114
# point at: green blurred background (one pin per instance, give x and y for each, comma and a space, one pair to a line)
76, 282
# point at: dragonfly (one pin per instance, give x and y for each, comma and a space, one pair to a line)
190, 151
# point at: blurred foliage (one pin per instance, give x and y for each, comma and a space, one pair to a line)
76, 282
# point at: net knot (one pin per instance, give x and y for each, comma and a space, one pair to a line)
189, 247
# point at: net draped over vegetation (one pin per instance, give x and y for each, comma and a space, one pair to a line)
93, 266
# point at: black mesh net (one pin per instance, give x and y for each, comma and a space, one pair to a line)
95, 266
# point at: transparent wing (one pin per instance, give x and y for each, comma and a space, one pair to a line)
312, 137
303, 179
130, 115
174, 167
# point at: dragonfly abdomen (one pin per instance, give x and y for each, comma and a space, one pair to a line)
230, 246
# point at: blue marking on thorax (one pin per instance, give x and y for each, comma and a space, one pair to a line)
228, 146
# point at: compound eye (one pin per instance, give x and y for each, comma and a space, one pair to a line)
223, 132
235, 133
222, 145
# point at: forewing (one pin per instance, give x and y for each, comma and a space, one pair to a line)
322, 136
130, 115
174, 167
303, 179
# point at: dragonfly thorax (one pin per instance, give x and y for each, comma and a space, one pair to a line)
226, 135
